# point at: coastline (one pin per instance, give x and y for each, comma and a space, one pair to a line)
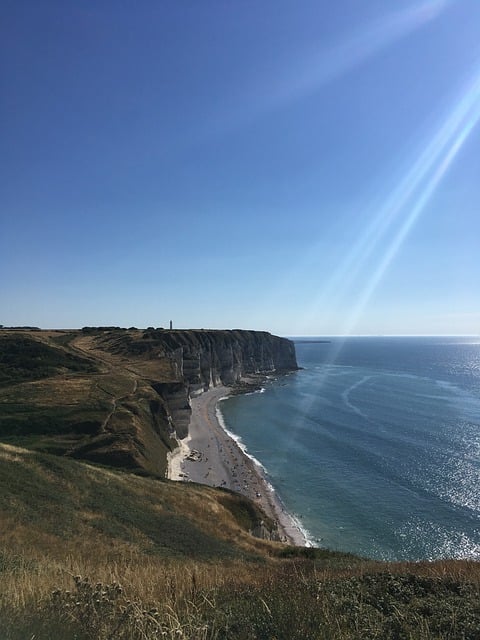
210, 455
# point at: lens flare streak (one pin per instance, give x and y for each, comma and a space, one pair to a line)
416, 190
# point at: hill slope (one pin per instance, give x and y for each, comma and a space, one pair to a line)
49, 503
88, 552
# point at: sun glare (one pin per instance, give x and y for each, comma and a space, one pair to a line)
391, 222
418, 187
317, 65
315, 70
320, 66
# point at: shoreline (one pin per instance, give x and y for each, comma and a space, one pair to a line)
210, 455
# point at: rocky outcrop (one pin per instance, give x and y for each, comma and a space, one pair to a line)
176, 400
208, 358
200, 359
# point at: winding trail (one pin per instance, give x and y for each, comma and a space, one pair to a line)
81, 345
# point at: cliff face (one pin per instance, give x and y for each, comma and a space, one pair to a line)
202, 359
208, 358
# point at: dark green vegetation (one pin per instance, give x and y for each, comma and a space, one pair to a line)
23, 358
71, 502
304, 605
95, 544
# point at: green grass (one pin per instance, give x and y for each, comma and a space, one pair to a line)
23, 358
17, 420
379, 606
67, 499
244, 511
166, 532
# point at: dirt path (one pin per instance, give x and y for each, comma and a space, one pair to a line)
84, 346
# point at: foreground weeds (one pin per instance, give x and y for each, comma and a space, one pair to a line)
97, 611
285, 600
375, 606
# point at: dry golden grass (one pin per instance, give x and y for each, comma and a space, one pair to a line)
32, 579
238, 600
60, 518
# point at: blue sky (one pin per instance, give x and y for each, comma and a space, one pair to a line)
302, 167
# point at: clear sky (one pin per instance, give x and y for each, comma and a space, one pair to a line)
306, 167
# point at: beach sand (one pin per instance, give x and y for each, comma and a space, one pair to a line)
208, 455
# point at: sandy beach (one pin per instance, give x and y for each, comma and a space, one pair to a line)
210, 456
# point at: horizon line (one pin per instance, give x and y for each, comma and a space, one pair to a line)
385, 335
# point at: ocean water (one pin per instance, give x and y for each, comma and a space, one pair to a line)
374, 445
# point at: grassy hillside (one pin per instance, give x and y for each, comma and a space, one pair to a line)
26, 358
55, 504
90, 552
70, 393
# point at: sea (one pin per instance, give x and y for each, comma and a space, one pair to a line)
374, 444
